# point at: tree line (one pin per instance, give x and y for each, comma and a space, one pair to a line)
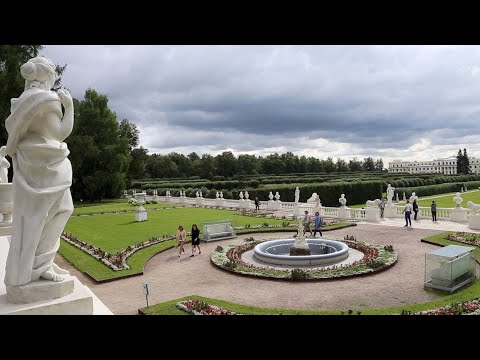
105, 155
463, 162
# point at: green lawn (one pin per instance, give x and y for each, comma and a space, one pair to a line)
469, 292
114, 232
82, 208
446, 201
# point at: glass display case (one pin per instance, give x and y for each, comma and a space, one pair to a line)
449, 268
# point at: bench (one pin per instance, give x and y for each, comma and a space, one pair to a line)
218, 230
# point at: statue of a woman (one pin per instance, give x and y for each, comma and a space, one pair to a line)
4, 165
36, 128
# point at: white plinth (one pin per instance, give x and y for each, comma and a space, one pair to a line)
342, 213
199, 201
182, 200
389, 211
220, 202
39, 290
80, 302
459, 214
168, 199
372, 214
274, 205
141, 214
474, 222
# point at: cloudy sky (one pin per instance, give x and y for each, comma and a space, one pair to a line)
395, 102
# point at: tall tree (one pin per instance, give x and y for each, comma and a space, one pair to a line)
100, 156
368, 164
129, 131
342, 165
355, 165
466, 163
137, 169
460, 166
379, 164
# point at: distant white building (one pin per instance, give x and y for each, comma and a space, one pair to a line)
446, 166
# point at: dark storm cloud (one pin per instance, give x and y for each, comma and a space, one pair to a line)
339, 101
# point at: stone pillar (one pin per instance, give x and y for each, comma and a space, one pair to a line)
372, 214
390, 211
459, 214
474, 221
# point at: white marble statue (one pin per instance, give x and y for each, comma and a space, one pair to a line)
297, 195
42, 178
270, 196
4, 165
221, 194
390, 194
217, 195
201, 195
404, 196
318, 203
197, 194
241, 195
277, 196
475, 208
312, 198
413, 197
396, 195
342, 200
374, 203
457, 200
247, 195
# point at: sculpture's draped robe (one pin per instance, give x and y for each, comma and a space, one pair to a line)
41, 182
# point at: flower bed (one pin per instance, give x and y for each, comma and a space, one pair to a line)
376, 258
199, 307
465, 238
116, 261
471, 307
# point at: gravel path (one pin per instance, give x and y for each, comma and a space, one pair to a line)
170, 277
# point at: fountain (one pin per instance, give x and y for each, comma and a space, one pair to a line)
300, 252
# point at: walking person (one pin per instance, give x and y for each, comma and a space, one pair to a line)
257, 204
433, 208
415, 209
382, 208
306, 223
408, 212
181, 238
318, 224
195, 240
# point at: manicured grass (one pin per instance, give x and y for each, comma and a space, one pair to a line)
83, 208
440, 239
447, 200
114, 232
470, 292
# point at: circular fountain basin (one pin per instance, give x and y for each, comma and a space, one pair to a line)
323, 252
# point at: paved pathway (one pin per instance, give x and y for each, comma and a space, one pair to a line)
170, 277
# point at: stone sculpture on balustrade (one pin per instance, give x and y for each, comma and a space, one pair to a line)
274, 205
459, 213
199, 198
219, 201
389, 207
474, 218
372, 212
343, 210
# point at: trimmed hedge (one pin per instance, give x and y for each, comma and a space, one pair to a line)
436, 189
355, 192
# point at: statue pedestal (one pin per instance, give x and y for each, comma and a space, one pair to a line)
39, 290
389, 211
474, 222
342, 212
274, 205
459, 214
168, 199
182, 200
300, 250
141, 214
199, 201
79, 302
241, 203
372, 214
220, 202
